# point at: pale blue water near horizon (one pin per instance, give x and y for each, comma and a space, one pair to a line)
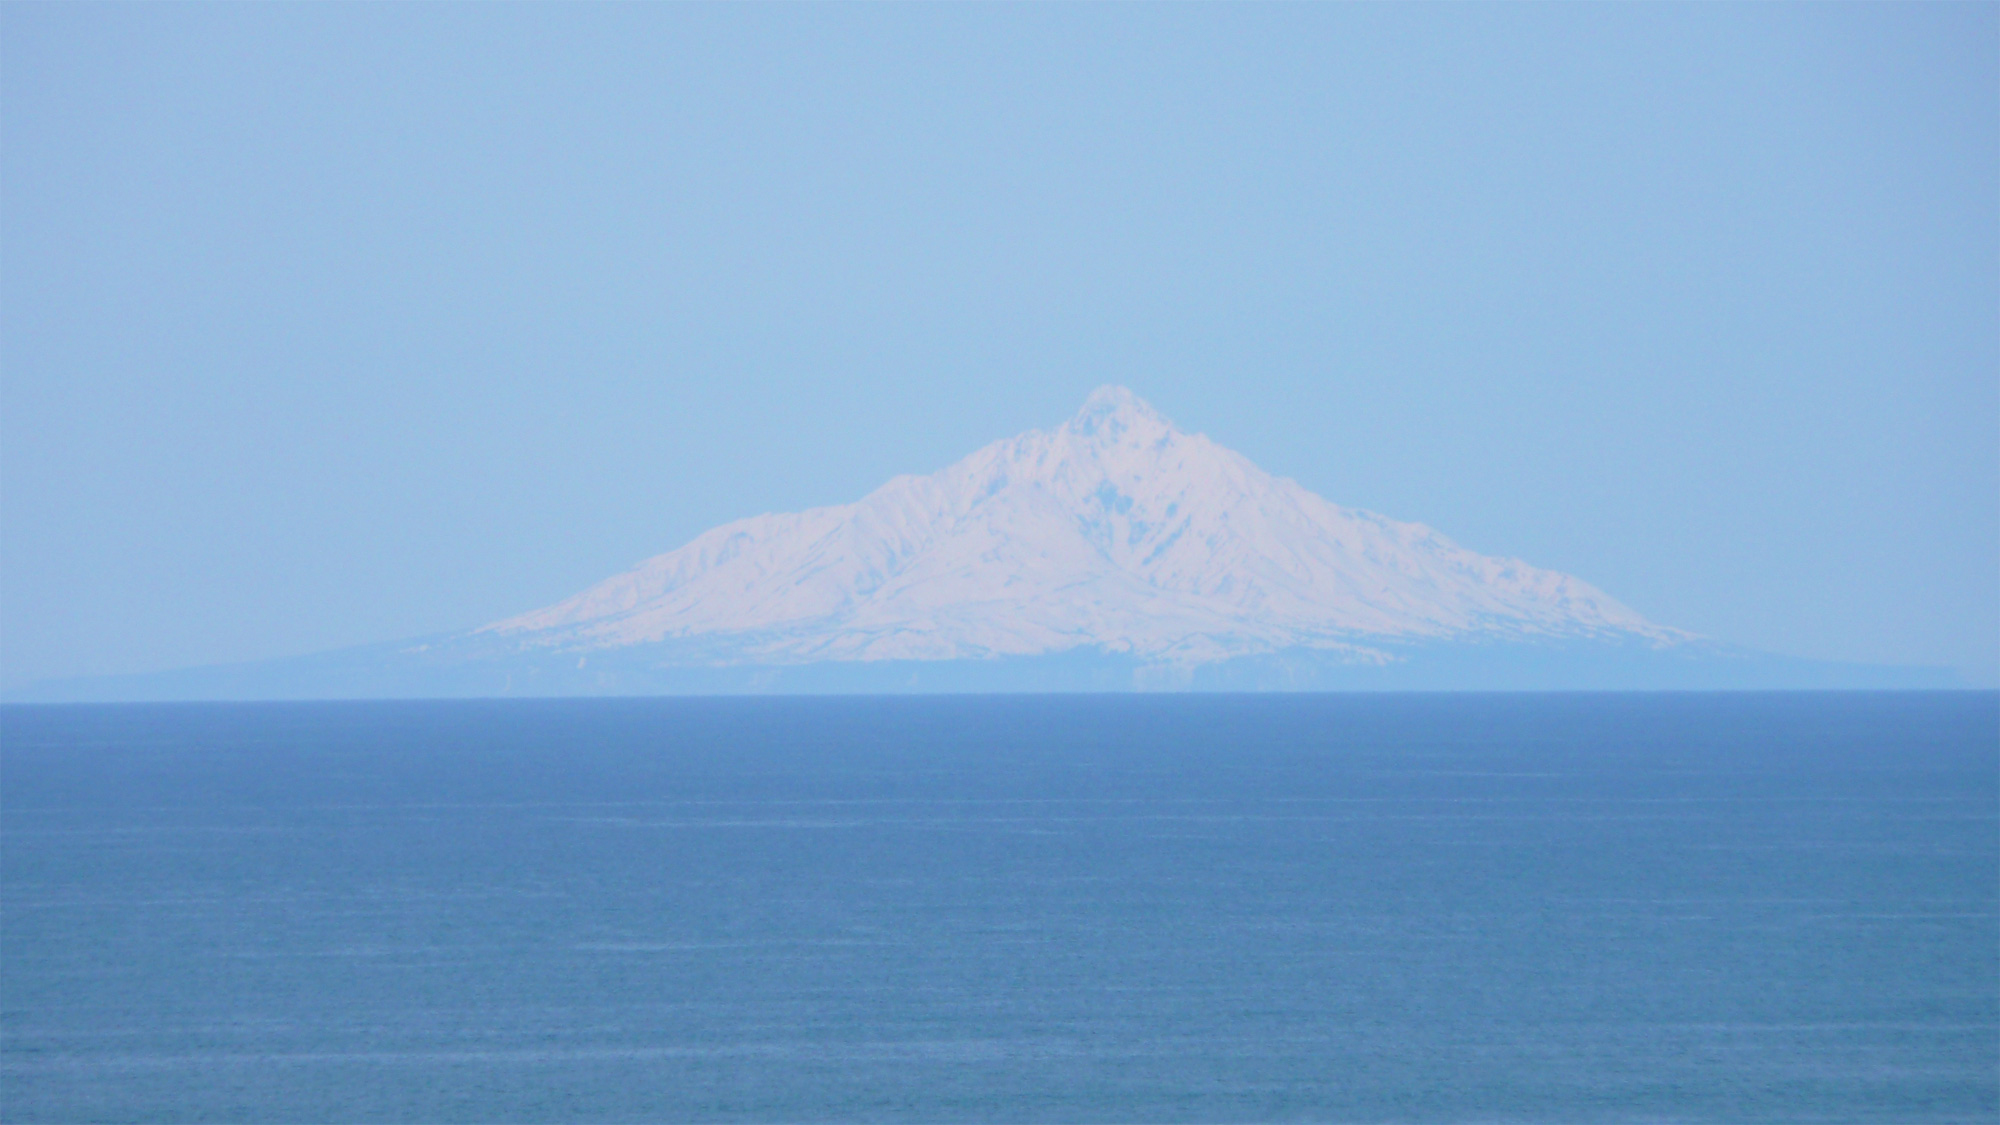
1729, 907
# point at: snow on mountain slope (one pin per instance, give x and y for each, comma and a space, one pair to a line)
1115, 531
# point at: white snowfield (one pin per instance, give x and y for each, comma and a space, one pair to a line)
1115, 532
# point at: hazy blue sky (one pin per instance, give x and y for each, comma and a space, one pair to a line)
331, 324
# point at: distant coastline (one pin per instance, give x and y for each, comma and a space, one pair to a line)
394, 671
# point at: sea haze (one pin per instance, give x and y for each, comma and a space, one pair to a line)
1583, 907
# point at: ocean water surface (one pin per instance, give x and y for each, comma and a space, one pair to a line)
1727, 907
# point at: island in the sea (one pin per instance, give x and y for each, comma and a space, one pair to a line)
1113, 552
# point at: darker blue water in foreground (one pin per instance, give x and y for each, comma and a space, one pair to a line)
1364, 908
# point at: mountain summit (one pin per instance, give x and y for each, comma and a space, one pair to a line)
1114, 533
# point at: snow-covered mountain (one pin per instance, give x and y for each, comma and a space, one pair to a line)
1115, 532
1112, 553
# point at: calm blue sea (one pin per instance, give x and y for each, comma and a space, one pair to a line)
1558, 908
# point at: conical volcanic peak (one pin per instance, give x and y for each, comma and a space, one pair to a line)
1114, 532
1111, 409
